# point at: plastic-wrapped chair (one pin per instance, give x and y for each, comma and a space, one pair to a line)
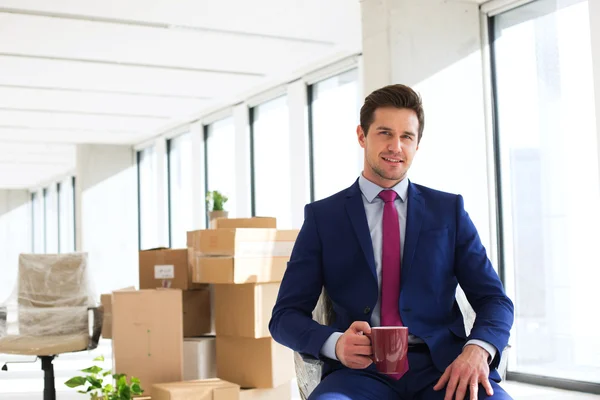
52, 311
308, 369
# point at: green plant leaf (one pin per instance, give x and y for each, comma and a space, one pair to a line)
136, 389
82, 391
99, 358
76, 381
108, 388
106, 373
135, 380
95, 382
92, 370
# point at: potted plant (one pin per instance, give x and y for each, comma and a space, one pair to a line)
215, 202
96, 385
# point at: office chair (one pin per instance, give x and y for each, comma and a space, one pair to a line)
52, 311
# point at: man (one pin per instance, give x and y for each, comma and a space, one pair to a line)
389, 252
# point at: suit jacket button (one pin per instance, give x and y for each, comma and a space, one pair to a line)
367, 310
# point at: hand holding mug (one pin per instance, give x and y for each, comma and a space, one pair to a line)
353, 348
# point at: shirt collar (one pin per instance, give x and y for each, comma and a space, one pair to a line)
371, 190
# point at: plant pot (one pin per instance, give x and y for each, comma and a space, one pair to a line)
214, 215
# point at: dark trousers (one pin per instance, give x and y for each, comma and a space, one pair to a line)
416, 384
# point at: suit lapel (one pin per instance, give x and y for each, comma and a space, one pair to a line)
356, 212
413, 226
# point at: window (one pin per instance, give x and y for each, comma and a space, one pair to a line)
37, 217
549, 186
271, 161
337, 159
148, 199
66, 215
180, 189
220, 161
51, 214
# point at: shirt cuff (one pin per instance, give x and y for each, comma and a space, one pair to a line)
486, 346
328, 349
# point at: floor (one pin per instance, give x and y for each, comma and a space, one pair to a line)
25, 381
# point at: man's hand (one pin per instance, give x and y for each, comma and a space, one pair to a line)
353, 348
467, 371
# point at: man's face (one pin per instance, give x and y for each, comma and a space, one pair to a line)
390, 145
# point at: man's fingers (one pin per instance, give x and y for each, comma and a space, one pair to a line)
362, 350
360, 326
487, 386
451, 388
461, 390
358, 340
473, 388
443, 380
359, 362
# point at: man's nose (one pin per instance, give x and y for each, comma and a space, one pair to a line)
395, 145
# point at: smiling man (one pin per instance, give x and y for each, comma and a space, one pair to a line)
390, 252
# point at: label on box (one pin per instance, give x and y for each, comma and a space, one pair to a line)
164, 272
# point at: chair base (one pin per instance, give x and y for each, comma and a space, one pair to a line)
48, 368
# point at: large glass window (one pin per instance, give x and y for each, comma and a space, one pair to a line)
180, 189
549, 187
37, 217
51, 214
220, 161
271, 161
337, 157
148, 199
66, 215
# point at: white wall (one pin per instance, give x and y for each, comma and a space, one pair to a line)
107, 214
434, 46
15, 236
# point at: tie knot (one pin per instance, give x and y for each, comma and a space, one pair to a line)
388, 195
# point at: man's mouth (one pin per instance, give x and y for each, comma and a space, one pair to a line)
393, 159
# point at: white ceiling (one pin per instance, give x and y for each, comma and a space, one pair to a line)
120, 71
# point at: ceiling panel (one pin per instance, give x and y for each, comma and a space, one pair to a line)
79, 121
68, 136
147, 45
22, 98
331, 20
54, 73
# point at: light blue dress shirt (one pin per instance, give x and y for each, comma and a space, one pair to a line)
374, 211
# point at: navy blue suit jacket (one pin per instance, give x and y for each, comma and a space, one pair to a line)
442, 249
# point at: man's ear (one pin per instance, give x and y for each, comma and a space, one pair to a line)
360, 135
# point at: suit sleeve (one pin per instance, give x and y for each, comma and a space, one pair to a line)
482, 286
291, 322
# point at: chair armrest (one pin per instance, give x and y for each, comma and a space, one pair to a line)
307, 358
95, 315
3, 324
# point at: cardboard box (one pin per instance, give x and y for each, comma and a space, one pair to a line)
254, 363
243, 242
282, 392
244, 310
148, 336
166, 268
106, 301
199, 358
196, 313
210, 389
216, 270
254, 222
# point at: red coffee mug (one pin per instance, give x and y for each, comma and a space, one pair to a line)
390, 345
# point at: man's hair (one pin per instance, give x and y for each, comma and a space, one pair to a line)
398, 96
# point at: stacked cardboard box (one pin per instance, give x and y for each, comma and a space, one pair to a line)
245, 262
172, 268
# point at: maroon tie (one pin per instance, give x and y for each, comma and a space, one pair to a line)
390, 267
